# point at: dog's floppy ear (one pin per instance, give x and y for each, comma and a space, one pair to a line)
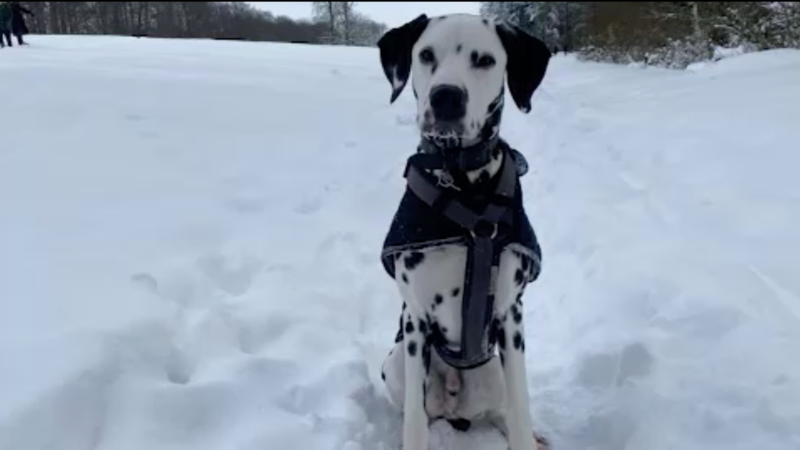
528, 58
395, 48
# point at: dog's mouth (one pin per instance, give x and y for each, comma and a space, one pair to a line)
448, 133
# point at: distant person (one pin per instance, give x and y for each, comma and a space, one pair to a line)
18, 26
5, 24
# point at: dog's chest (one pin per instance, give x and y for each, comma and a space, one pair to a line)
434, 281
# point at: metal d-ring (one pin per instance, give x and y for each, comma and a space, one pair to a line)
480, 222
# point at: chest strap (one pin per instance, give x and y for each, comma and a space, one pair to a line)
485, 234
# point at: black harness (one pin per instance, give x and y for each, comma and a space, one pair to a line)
434, 212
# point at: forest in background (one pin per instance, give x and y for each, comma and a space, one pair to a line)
335, 23
668, 34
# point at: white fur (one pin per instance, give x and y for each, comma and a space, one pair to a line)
443, 37
490, 392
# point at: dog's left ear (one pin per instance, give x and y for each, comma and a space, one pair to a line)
395, 47
528, 58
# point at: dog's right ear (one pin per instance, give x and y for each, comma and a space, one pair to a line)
395, 48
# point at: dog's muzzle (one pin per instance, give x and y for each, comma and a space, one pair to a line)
448, 103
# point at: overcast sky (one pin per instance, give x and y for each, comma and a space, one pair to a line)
390, 13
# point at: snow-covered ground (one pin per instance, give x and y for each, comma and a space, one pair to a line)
190, 235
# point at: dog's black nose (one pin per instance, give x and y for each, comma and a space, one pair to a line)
448, 102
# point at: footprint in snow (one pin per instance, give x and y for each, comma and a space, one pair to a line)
246, 203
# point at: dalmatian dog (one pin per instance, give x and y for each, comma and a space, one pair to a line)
459, 65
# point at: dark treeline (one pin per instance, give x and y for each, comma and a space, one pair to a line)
217, 20
671, 34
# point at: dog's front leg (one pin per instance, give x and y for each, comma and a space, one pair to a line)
512, 357
415, 418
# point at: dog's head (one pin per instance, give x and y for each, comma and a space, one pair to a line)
458, 65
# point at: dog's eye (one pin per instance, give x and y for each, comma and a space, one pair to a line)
484, 62
426, 56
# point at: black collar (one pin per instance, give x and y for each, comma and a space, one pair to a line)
461, 159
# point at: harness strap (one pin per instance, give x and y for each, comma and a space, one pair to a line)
484, 230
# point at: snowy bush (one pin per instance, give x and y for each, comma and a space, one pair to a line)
665, 34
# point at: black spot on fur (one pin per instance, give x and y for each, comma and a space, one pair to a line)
501, 339
409, 327
435, 330
412, 348
474, 57
502, 359
405, 279
485, 22
423, 327
518, 341
496, 153
426, 356
413, 260
461, 425
494, 114
483, 177
515, 312
383, 375
433, 68
519, 297
456, 291
438, 299
519, 277
459, 47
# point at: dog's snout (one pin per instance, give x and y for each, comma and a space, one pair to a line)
448, 102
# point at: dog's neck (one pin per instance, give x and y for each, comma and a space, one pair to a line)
470, 167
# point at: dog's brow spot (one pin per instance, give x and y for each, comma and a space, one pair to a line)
414, 259
412, 348
459, 47
456, 291
405, 279
409, 327
383, 375
518, 342
438, 299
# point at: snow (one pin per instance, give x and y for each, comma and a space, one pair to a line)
191, 234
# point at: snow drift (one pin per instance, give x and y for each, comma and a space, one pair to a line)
191, 234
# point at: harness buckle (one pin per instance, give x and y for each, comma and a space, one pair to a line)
484, 229
445, 180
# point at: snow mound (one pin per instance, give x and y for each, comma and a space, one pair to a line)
191, 232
